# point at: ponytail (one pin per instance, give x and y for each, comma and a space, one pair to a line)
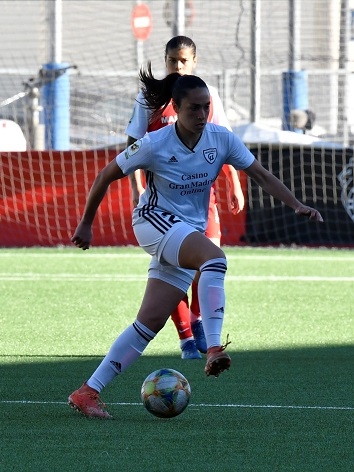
157, 93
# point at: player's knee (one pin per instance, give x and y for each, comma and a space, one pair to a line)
152, 321
216, 266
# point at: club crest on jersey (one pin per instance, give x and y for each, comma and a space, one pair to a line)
132, 149
210, 155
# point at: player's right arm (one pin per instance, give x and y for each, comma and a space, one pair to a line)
125, 163
83, 234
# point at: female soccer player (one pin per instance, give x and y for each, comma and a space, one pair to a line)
181, 57
181, 163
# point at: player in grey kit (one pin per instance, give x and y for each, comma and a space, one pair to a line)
181, 162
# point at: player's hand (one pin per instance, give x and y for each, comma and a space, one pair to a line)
83, 236
310, 213
236, 202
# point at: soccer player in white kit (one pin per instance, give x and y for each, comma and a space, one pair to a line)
181, 57
181, 163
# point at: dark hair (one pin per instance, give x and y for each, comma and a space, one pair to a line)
181, 42
158, 93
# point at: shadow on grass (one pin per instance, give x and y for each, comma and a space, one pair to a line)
307, 376
276, 410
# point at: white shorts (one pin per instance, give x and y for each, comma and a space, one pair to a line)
164, 248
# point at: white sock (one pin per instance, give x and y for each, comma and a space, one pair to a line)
212, 299
124, 351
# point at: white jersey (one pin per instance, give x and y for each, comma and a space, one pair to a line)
178, 179
139, 122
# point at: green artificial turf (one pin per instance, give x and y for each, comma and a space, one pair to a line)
286, 404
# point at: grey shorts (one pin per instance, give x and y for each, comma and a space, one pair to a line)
164, 249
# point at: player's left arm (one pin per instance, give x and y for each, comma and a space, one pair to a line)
272, 185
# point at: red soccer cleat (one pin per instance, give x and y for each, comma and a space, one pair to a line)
217, 360
87, 401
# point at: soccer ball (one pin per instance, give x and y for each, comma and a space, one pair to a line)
165, 393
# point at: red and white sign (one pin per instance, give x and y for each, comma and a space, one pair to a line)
141, 22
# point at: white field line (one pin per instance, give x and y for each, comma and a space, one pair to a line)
197, 405
135, 255
35, 277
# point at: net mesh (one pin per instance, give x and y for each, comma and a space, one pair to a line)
44, 195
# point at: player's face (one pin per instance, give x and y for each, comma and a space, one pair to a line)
193, 111
181, 61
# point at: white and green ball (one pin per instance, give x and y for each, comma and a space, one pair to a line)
165, 393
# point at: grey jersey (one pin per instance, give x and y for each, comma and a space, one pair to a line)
178, 179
